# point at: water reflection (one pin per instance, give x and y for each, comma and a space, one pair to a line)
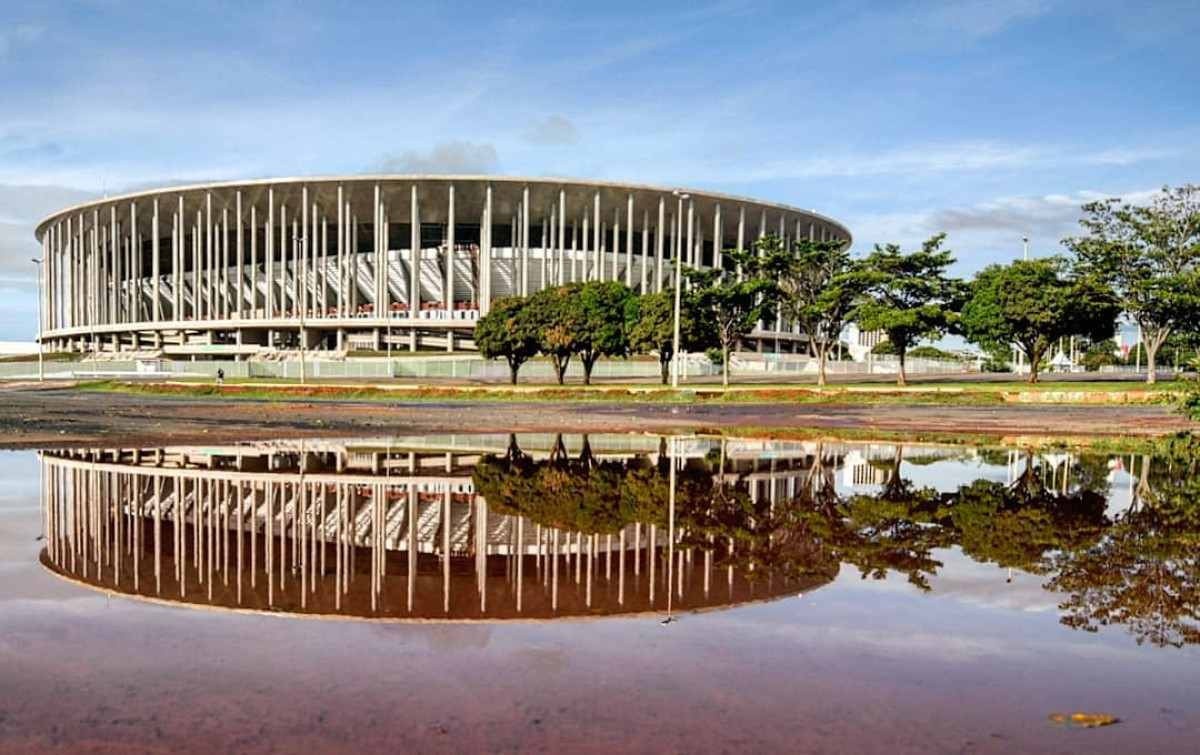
493, 527
423, 528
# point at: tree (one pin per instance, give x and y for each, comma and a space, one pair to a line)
909, 296
602, 327
1034, 303
737, 301
509, 330
1151, 256
559, 316
819, 290
651, 320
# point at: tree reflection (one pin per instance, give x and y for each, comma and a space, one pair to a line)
1017, 525
1144, 573
1140, 569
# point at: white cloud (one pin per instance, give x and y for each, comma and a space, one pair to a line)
21, 207
449, 157
957, 157
554, 130
1049, 215
990, 231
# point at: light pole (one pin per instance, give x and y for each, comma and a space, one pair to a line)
41, 370
1025, 247
678, 292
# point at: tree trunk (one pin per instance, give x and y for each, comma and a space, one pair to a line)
901, 378
1151, 361
512, 371
664, 366
822, 354
588, 363
560, 368
725, 365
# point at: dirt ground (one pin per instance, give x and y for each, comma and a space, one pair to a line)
59, 416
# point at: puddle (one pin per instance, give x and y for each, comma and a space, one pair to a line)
544, 591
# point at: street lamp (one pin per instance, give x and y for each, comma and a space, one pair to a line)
678, 290
41, 371
1025, 246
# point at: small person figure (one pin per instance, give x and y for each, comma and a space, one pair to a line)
220, 376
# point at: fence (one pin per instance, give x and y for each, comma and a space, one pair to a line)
467, 367
798, 364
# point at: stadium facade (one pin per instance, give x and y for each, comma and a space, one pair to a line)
362, 262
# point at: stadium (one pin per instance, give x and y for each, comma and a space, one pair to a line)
340, 264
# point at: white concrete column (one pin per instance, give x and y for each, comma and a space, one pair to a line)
300, 262
741, 236
448, 298
629, 241
616, 237
377, 222
542, 262
296, 289
114, 315
135, 268
180, 228
270, 251
155, 271
690, 224
282, 267
72, 289
94, 270
253, 262
414, 243
597, 249
659, 244
572, 253
354, 259
197, 268
323, 271
718, 240
525, 241
240, 278
485, 294
223, 278
311, 268
210, 266
645, 261
586, 252
341, 256
70, 298
562, 235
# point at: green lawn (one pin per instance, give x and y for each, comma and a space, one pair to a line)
961, 393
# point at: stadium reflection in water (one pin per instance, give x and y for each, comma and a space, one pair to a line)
457, 528
490, 527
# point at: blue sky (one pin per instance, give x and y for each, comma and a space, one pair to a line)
989, 120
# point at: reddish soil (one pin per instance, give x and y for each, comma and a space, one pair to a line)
62, 416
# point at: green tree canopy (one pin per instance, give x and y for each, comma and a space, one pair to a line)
910, 297
651, 321
602, 325
1150, 254
737, 301
559, 317
1034, 303
510, 331
818, 291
